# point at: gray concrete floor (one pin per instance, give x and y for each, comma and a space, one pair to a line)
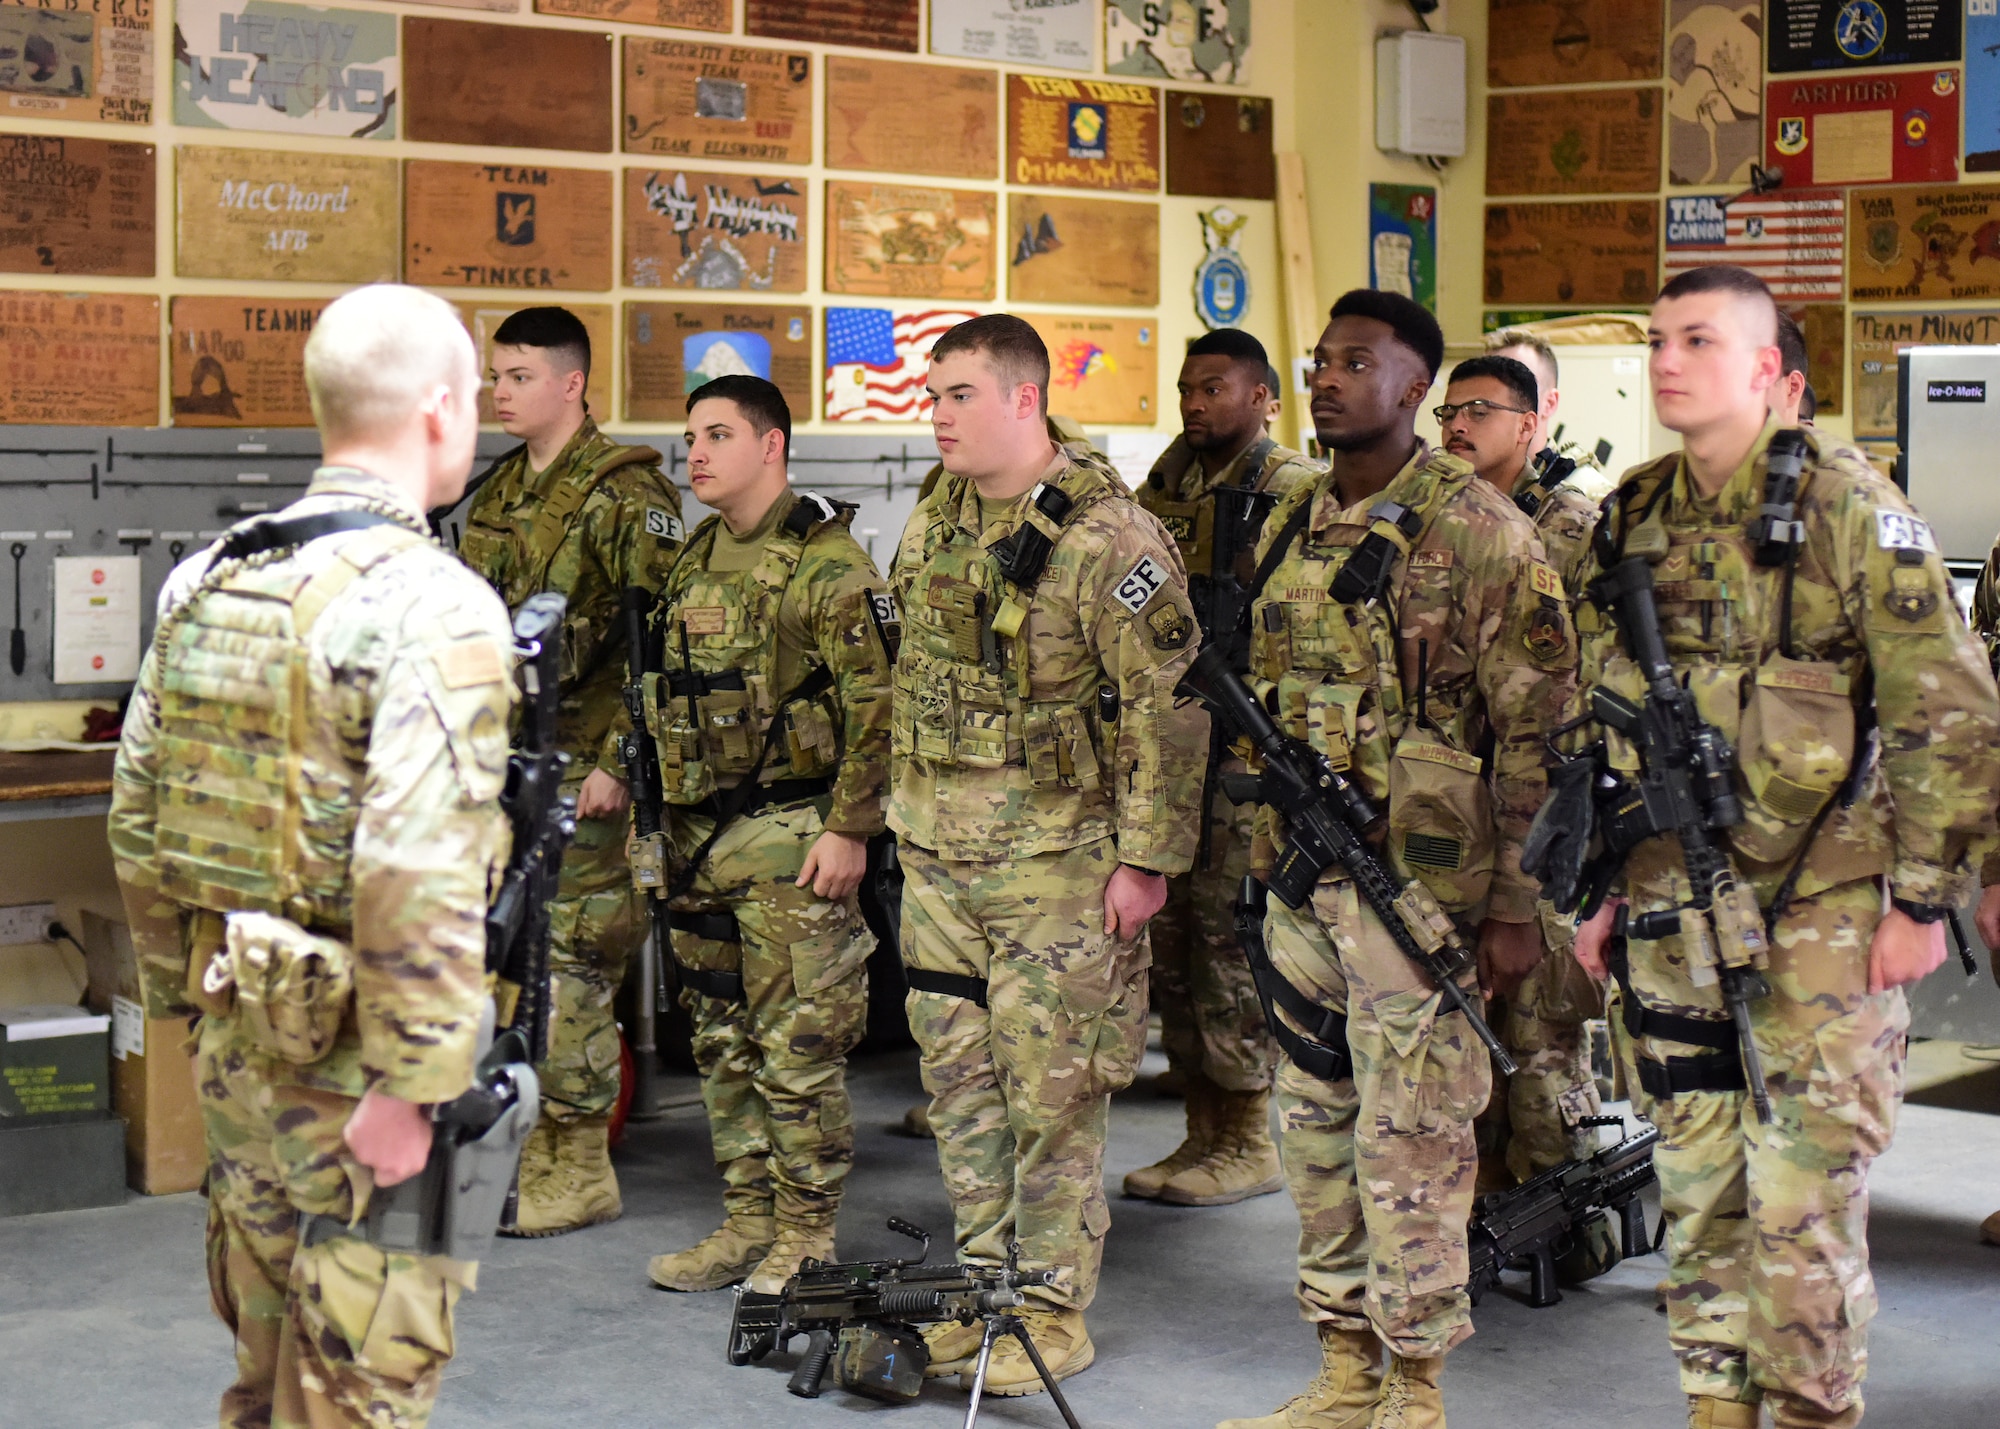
104, 1319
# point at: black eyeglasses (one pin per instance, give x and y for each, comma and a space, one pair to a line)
1476, 409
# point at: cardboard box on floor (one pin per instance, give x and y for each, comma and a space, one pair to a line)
152, 1085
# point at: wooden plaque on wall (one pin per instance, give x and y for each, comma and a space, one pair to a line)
693, 228
1219, 145
675, 14
673, 348
481, 319
494, 5
239, 362
1879, 340
75, 206
1571, 41
100, 60
907, 241
1572, 254
908, 118
1082, 250
299, 217
506, 86
1101, 369
79, 359
696, 100
1825, 327
1600, 141
1082, 133
1929, 243
506, 226
877, 24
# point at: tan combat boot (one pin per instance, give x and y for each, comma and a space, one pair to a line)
1989, 1229
723, 1257
538, 1158
1202, 1095
578, 1189
953, 1346
1412, 1397
805, 1232
1707, 1412
1344, 1393
1788, 1412
1061, 1340
1241, 1161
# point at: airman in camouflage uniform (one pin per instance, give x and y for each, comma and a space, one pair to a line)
1433, 690
1211, 1023
1986, 625
376, 670
777, 633
594, 519
1045, 782
1769, 1293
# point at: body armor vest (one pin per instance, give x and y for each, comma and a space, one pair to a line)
1216, 532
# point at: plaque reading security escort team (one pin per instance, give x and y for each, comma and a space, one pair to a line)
254, 213
1572, 254
910, 241
1082, 133
907, 118
1593, 142
695, 228
673, 348
507, 86
79, 359
71, 205
1082, 250
695, 100
518, 225
1531, 42
240, 362
677, 14
93, 60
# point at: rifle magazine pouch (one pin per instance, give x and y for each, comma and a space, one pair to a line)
1796, 746
1441, 820
729, 728
292, 987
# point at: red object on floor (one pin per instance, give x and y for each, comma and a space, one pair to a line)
628, 1072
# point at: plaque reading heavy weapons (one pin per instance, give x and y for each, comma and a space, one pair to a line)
1592, 142
673, 348
1082, 250
1101, 369
75, 206
676, 14
79, 359
1219, 146
1082, 133
507, 86
1571, 41
912, 118
240, 362
877, 24
1574, 254
292, 69
905, 241
692, 228
88, 59
483, 319
1923, 244
1879, 338
506, 226
252, 213
696, 100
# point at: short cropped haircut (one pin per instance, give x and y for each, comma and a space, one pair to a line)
1013, 348
1519, 337
1512, 373
1236, 345
557, 331
1791, 346
377, 353
763, 406
1410, 320
1274, 382
1808, 404
1723, 278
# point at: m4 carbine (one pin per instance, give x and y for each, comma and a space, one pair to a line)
1548, 1219
1326, 823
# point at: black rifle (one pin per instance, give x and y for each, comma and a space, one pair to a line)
1547, 1219
1221, 601
1326, 822
453, 1205
642, 778
860, 1318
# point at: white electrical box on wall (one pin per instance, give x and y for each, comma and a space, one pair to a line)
1420, 94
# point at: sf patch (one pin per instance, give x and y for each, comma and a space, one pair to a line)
1140, 584
1544, 581
664, 524
1171, 626
1547, 638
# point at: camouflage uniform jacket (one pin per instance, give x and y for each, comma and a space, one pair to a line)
1986, 625
1064, 432
804, 604
389, 725
1474, 606
1872, 616
1566, 518
1066, 730
599, 518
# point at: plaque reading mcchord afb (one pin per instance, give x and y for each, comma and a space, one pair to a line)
79, 359
75, 206
1082, 250
506, 226
240, 362
1594, 142
254, 213
877, 24
1573, 254
696, 100
673, 348
910, 241
904, 118
1571, 41
677, 14
506, 86
99, 60
693, 228
1082, 133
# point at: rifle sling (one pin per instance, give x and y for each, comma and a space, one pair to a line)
1321, 1053
1719, 1072
1643, 1021
960, 985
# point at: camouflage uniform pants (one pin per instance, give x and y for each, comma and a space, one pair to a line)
1769, 1290
1381, 1166
1554, 1087
1210, 1018
336, 1334
1021, 1088
595, 925
774, 1067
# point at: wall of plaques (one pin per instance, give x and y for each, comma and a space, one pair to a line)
809, 190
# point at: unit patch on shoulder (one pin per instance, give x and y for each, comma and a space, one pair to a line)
1900, 531
465, 663
1546, 638
1139, 585
1170, 625
1545, 581
885, 607
664, 524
